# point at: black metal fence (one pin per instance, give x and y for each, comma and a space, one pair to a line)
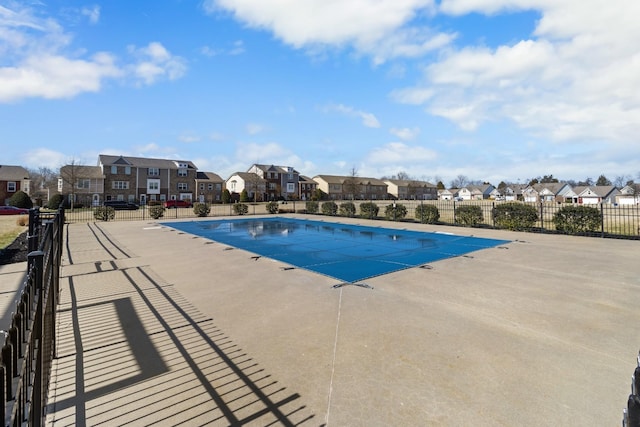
615, 220
29, 344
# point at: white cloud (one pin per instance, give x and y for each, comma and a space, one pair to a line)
92, 12
405, 134
400, 153
155, 62
37, 63
254, 128
238, 48
380, 28
368, 119
53, 76
189, 137
576, 78
44, 157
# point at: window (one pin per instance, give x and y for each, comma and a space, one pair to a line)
182, 172
291, 187
210, 187
182, 186
11, 186
83, 184
153, 172
114, 169
127, 170
120, 185
153, 186
202, 186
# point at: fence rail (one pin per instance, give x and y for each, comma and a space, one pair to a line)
29, 343
615, 220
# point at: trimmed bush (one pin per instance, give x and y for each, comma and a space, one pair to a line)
201, 209
329, 208
515, 216
156, 212
240, 208
469, 215
312, 207
347, 209
272, 207
244, 196
55, 201
395, 212
427, 214
21, 200
577, 219
369, 210
226, 196
104, 213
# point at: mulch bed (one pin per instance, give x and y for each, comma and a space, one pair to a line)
16, 251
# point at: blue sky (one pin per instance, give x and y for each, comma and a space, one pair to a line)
494, 90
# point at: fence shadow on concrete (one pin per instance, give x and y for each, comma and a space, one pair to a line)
131, 350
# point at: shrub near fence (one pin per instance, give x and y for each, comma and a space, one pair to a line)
515, 216
615, 220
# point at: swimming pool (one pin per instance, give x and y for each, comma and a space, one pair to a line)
346, 252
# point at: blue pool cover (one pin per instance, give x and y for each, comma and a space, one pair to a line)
349, 253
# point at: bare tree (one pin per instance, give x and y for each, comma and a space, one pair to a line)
44, 181
622, 180
69, 174
459, 182
351, 184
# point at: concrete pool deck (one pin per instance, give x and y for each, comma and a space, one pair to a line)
159, 327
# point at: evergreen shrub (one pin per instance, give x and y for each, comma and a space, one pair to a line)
369, 210
469, 215
329, 208
395, 212
577, 219
347, 209
427, 214
515, 216
240, 208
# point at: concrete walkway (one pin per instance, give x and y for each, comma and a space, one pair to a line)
157, 327
12, 277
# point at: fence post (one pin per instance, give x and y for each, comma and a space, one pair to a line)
454, 211
541, 217
34, 229
36, 259
601, 219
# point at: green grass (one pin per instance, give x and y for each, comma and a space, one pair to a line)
10, 229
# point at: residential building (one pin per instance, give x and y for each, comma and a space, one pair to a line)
254, 185
208, 187
401, 189
139, 179
351, 187
281, 181
81, 185
447, 194
307, 188
547, 192
12, 180
629, 195
594, 194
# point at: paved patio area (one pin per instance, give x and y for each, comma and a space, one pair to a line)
157, 327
